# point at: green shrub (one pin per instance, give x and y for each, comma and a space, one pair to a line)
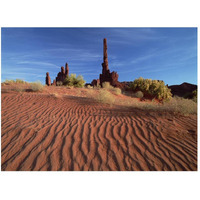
105, 96
36, 86
138, 94
154, 88
72, 80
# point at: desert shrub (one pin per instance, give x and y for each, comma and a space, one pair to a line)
105, 96
138, 94
59, 83
36, 86
154, 88
72, 80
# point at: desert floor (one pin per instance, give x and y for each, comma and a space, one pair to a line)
65, 131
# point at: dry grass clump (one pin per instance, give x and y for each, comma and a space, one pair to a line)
89, 87
91, 93
20, 81
105, 96
175, 105
56, 95
59, 83
106, 85
36, 86
117, 91
181, 105
18, 88
138, 94
11, 82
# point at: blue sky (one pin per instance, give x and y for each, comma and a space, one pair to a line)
168, 54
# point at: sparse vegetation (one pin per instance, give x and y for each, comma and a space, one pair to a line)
10, 82
154, 88
20, 81
106, 85
175, 105
36, 86
72, 80
181, 105
105, 96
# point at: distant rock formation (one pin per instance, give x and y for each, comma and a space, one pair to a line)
183, 90
95, 82
106, 76
66, 70
61, 76
48, 79
54, 82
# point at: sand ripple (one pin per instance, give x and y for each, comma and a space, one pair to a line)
42, 132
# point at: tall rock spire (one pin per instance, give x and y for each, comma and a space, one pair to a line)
66, 70
105, 57
48, 79
106, 76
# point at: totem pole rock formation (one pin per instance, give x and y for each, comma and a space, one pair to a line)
106, 76
48, 79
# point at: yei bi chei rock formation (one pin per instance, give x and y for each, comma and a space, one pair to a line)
106, 76
61, 76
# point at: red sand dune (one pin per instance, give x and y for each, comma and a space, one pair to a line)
42, 132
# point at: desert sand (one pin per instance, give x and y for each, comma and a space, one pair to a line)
41, 131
